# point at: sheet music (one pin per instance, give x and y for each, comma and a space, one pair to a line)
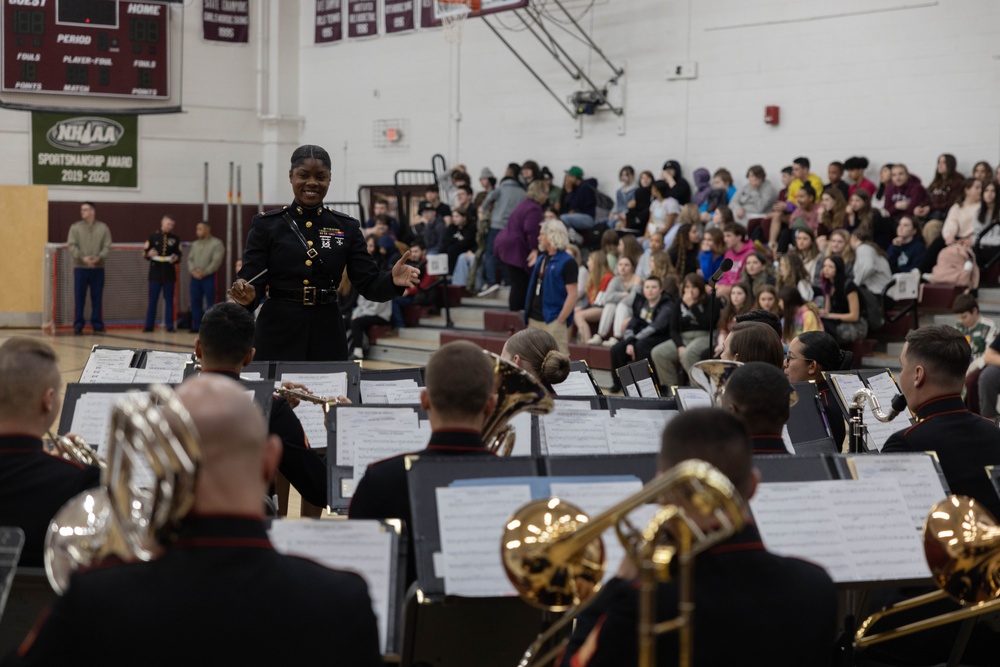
160, 360
692, 397
375, 392
522, 432
572, 430
472, 520
252, 377
885, 389
878, 432
311, 415
92, 418
632, 431
577, 383
110, 375
362, 546
915, 473
101, 362
374, 444
403, 395
156, 375
857, 530
647, 388
632, 390
361, 427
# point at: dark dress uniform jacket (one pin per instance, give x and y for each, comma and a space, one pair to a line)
166, 244
751, 608
33, 486
288, 330
220, 595
965, 444
383, 493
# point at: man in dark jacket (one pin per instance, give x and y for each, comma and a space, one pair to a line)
680, 189
163, 250
580, 200
649, 326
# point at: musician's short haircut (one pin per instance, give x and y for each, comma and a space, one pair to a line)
760, 394
28, 367
226, 333
714, 436
943, 350
459, 379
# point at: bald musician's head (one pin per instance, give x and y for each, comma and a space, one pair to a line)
238, 457
29, 386
714, 436
460, 390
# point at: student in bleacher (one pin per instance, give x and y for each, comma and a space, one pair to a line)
624, 197
516, 246
459, 237
501, 202
738, 302
33, 483
663, 212
855, 167
904, 193
710, 252
721, 193
620, 291
798, 315
702, 185
646, 258
459, 397
841, 312
987, 231
649, 326
637, 216
369, 314
677, 186
809, 355
684, 249
464, 201
579, 205
807, 251
943, 191
884, 179
792, 273
757, 272
907, 250
755, 341
760, 395
767, 300
381, 207
738, 248
871, 265
982, 172
960, 225
598, 279
835, 172
801, 175
755, 199
832, 207
860, 213
690, 321
536, 351
980, 332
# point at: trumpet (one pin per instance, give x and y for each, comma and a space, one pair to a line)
858, 431
549, 544
74, 448
517, 391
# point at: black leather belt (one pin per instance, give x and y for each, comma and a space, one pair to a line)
307, 296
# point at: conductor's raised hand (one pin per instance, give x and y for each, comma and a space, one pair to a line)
404, 275
242, 292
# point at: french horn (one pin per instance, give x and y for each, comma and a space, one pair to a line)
517, 391
74, 448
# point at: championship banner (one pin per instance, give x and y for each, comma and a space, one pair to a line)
226, 20
329, 21
96, 150
398, 15
362, 18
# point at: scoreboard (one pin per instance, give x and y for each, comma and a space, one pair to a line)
103, 48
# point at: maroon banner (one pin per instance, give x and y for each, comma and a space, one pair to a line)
329, 21
226, 20
398, 15
362, 18
427, 19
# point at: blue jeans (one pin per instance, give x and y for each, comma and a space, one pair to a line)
202, 292
168, 299
581, 222
94, 279
490, 259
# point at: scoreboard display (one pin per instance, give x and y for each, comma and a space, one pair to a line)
104, 48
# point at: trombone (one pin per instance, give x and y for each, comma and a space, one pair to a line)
549, 544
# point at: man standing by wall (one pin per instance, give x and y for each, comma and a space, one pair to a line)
163, 250
89, 243
207, 253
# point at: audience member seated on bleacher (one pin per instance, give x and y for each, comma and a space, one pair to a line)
381, 207
678, 187
516, 245
579, 203
835, 172
756, 198
710, 252
685, 248
488, 182
944, 190
738, 248
800, 176
663, 212
536, 351
757, 272
464, 201
798, 315
459, 397
804, 214
367, 314
855, 167
721, 193
738, 302
33, 483
831, 210
807, 251
960, 226
754, 341
809, 355
767, 299
459, 237
793, 273
983, 172
760, 395
553, 287
903, 193
433, 197
646, 258
787, 177
841, 313
884, 179
690, 321
871, 266
582, 275
617, 303
987, 232
907, 250
638, 214
501, 202
702, 185
598, 279
980, 332
421, 295
649, 327
609, 249
433, 227
624, 198
450, 182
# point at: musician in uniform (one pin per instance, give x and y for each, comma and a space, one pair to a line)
163, 250
33, 484
459, 398
743, 594
305, 248
809, 355
759, 394
219, 589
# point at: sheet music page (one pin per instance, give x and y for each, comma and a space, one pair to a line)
522, 433
472, 520
916, 475
572, 431
595, 497
364, 547
858, 531
403, 394
359, 426
632, 431
577, 383
311, 415
167, 361
92, 418
374, 392
251, 377
156, 375
848, 385
647, 388
374, 444
632, 390
111, 375
692, 397
101, 360
885, 389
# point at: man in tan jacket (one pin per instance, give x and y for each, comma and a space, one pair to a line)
89, 243
204, 259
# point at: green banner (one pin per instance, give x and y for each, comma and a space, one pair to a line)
93, 150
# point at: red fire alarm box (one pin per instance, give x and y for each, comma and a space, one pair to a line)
772, 115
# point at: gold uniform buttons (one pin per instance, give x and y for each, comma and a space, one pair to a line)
305, 282
309, 262
309, 225
309, 243
299, 209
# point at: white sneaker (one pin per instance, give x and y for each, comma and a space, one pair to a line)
611, 342
574, 236
595, 340
489, 289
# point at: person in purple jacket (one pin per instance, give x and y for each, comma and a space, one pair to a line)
516, 245
904, 193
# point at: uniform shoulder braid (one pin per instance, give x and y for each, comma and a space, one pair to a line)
343, 220
272, 213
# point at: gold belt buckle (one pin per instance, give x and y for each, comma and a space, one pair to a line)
308, 296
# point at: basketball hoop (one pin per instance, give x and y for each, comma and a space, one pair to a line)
452, 14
